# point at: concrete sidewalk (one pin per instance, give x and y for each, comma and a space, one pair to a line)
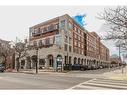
33, 71
120, 74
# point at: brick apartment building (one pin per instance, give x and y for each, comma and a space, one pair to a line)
63, 36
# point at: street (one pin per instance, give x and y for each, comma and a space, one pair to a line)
91, 79
32, 81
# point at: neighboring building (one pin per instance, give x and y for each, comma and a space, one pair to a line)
64, 37
97, 39
4, 45
115, 61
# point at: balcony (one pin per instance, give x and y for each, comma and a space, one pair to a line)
45, 30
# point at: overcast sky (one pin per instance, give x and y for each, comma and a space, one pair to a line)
16, 20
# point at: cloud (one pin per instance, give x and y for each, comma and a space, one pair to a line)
80, 19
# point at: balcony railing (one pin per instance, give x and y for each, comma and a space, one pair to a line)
50, 28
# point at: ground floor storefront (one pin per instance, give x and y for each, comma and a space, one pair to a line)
57, 61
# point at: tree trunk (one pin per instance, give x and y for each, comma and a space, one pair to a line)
18, 65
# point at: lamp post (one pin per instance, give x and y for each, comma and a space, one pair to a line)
36, 60
119, 43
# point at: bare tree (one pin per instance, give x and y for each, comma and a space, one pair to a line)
116, 19
5, 51
20, 52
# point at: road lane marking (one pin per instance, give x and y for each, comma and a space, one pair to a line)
101, 84
80, 84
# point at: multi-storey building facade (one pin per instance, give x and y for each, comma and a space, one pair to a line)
63, 37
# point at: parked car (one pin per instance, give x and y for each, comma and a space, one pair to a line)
76, 67
84, 67
93, 67
2, 68
100, 67
89, 67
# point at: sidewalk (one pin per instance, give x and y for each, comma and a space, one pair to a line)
33, 71
117, 74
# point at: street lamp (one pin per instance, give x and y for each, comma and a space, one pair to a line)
119, 44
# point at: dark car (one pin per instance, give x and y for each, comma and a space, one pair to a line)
93, 67
84, 67
2, 68
76, 67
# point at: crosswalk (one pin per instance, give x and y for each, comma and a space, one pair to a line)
100, 84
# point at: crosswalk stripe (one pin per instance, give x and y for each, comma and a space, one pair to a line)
99, 83
88, 87
112, 83
121, 81
105, 86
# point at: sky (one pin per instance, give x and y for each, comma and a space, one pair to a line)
16, 20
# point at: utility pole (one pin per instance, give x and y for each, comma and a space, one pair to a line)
119, 52
36, 60
120, 57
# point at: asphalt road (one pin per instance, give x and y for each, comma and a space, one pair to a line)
49, 80
41, 81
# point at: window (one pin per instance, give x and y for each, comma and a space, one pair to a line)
42, 62
41, 30
35, 43
56, 26
78, 44
74, 50
65, 47
70, 26
79, 38
82, 52
66, 38
65, 59
44, 29
50, 27
63, 23
69, 40
37, 31
78, 30
40, 43
51, 40
31, 31
58, 40
43, 42
82, 45
47, 41
69, 48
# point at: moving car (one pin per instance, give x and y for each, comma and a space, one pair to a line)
2, 68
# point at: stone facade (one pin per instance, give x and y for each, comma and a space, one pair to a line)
62, 36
